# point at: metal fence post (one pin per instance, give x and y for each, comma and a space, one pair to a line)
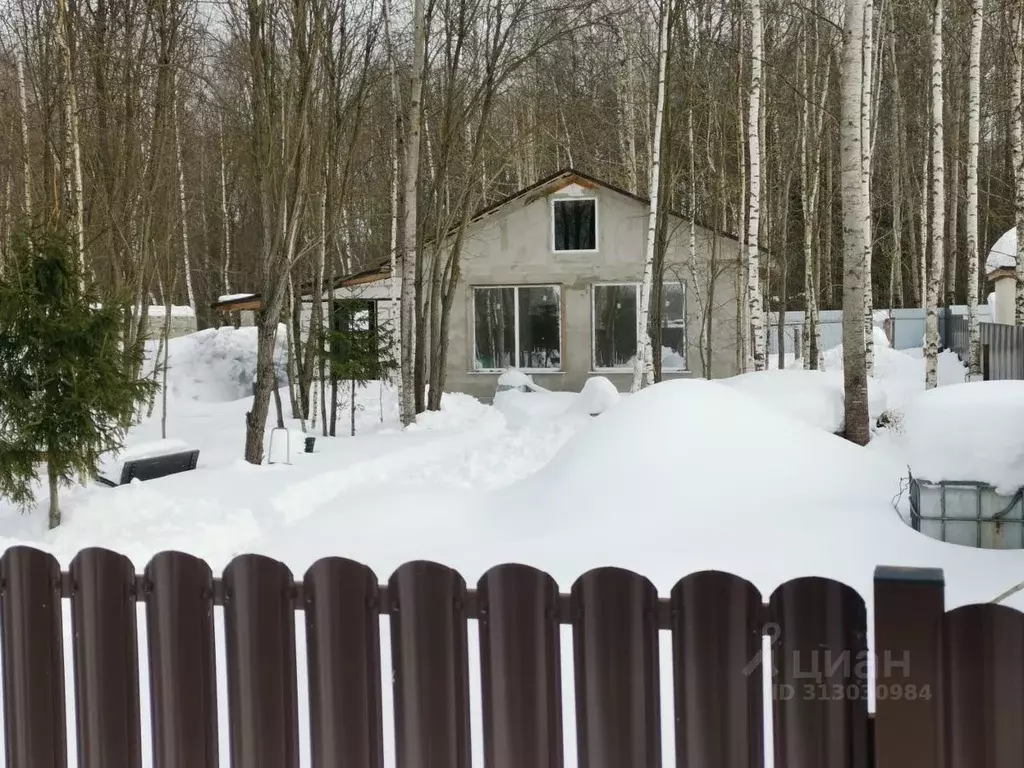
909, 605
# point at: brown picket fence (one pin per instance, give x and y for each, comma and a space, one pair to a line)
949, 686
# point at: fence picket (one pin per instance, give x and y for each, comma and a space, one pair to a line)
343, 658
431, 670
182, 661
983, 687
820, 652
520, 662
104, 623
259, 622
33, 659
719, 699
615, 644
909, 605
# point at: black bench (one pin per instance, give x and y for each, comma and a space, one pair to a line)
153, 467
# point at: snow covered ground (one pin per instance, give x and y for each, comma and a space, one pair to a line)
687, 475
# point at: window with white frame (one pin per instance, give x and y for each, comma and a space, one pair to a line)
517, 326
615, 307
574, 224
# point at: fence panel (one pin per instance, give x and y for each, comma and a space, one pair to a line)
1003, 347
33, 659
431, 670
343, 658
719, 701
971, 661
615, 643
820, 652
105, 627
520, 662
259, 623
182, 661
909, 606
983, 687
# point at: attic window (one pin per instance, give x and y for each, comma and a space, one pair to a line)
574, 223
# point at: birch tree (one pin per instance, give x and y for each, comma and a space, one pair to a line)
855, 386
938, 194
182, 207
866, 103
73, 148
409, 246
758, 359
973, 130
1017, 119
26, 155
642, 362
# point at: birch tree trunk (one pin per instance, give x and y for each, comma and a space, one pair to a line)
758, 359
922, 255
73, 151
225, 218
643, 336
1017, 118
409, 255
742, 304
182, 206
973, 131
865, 180
26, 155
394, 281
854, 361
938, 220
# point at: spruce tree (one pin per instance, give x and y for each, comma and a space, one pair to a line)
359, 350
66, 394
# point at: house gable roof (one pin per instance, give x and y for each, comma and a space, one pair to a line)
381, 268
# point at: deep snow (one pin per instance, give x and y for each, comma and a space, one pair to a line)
683, 476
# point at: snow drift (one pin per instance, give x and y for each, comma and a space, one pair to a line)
968, 432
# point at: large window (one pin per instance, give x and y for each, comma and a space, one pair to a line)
574, 224
615, 317
517, 327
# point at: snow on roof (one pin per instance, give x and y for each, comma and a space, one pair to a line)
1003, 254
235, 296
968, 432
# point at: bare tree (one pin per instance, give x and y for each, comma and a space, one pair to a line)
973, 130
642, 364
938, 219
281, 93
1017, 119
851, 135
758, 359
410, 244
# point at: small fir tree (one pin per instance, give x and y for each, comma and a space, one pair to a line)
66, 394
359, 350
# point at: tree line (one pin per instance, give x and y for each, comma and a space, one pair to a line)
865, 152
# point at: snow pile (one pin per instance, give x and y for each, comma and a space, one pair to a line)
521, 408
514, 379
813, 397
1003, 253
898, 374
968, 432
596, 397
690, 474
216, 365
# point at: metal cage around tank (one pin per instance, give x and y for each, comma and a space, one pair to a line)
967, 513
